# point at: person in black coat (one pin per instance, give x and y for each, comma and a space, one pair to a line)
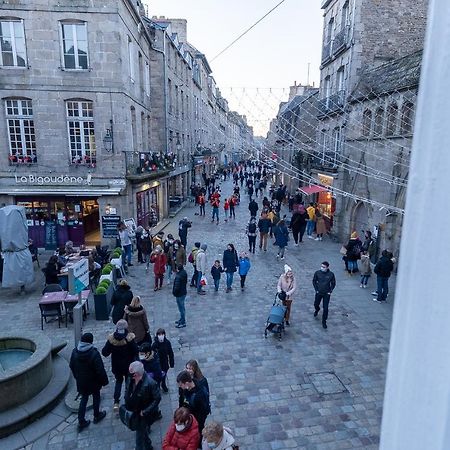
383, 269
165, 352
253, 208
51, 271
230, 263
121, 297
183, 227
179, 291
142, 396
123, 350
90, 375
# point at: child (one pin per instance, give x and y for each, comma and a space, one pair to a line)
366, 270
244, 267
216, 271
226, 207
150, 359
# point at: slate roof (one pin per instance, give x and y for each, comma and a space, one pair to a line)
396, 75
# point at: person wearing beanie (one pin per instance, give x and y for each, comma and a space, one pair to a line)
123, 350
121, 298
354, 248
288, 285
200, 262
89, 372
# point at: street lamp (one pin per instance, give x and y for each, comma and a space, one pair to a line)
108, 140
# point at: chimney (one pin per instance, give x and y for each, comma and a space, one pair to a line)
179, 26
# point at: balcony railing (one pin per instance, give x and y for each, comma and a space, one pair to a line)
146, 164
326, 52
340, 41
333, 103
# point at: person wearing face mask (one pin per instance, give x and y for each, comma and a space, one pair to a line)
150, 359
164, 349
324, 282
218, 437
142, 397
194, 397
183, 432
287, 284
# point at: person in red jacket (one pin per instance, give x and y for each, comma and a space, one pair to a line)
183, 432
159, 261
226, 207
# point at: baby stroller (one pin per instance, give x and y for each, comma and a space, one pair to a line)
275, 321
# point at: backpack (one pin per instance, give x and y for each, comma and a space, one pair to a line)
252, 227
191, 258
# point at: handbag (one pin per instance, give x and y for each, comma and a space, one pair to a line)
129, 418
343, 250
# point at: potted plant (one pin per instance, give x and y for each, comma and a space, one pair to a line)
102, 300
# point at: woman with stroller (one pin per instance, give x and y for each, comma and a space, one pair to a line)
288, 285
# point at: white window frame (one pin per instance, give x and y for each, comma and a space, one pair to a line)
13, 44
340, 79
83, 120
131, 60
74, 26
21, 117
147, 79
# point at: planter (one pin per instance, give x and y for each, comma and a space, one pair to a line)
106, 277
118, 264
102, 303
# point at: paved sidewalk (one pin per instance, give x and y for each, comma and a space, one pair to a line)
316, 389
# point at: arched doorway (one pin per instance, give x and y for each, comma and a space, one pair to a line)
360, 222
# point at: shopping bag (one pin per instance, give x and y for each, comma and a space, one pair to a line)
343, 250
203, 281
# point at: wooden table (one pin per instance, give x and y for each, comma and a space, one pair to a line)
53, 297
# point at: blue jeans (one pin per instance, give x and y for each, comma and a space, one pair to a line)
127, 250
199, 286
143, 441
364, 279
382, 288
118, 387
310, 225
230, 276
169, 271
352, 266
215, 214
181, 308
216, 284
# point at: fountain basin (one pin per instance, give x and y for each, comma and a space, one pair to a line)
25, 372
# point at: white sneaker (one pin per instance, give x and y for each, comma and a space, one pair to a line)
364, 286
282, 258
317, 239
361, 286
310, 237
295, 245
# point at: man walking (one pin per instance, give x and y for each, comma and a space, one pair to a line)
142, 396
179, 291
200, 262
89, 372
324, 282
253, 208
183, 230
264, 226
383, 269
310, 225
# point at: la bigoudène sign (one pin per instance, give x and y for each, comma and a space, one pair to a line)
49, 179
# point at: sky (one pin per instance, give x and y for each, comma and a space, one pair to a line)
266, 61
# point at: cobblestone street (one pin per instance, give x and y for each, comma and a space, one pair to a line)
315, 389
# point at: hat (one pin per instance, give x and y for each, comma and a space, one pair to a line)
287, 269
204, 247
122, 326
354, 235
197, 244
88, 338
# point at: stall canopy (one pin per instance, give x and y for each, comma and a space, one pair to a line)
314, 189
17, 262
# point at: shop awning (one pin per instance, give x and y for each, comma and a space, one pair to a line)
314, 189
72, 191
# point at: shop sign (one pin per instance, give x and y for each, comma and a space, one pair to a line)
109, 226
49, 179
79, 276
325, 180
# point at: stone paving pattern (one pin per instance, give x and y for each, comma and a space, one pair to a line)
316, 389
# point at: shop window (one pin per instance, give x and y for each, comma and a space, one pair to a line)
22, 138
12, 43
74, 45
80, 125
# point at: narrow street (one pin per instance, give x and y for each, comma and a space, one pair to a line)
316, 389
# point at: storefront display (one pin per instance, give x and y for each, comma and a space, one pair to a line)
147, 207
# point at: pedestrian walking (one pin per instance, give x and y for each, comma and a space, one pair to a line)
230, 263
244, 267
251, 234
216, 436
353, 247
383, 269
298, 224
191, 259
281, 234
194, 397
125, 241
202, 202
150, 359
253, 208
121, 298
226, 207
179, 291
200, 262
146, 247
179, 254
183, 432
311, 224
232, 202
324, 283
264, 226
123, 350
138, 234
369, 245
215, 203
183, 228
142, 397
194, 369
168, 252
89, 372
216, 272
137, 320
163, 346
288, 285
366, 269
321, 227
159, 261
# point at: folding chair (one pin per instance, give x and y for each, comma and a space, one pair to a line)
50, 310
